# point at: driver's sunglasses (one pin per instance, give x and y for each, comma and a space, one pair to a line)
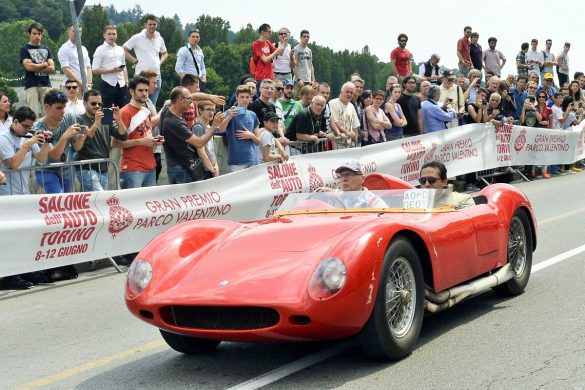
431, 180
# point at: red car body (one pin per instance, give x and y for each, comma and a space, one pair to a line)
211, 274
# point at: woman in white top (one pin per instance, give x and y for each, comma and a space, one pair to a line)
5, 118
283, 62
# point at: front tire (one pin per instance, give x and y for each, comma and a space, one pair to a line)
519, 255
392, 330
189, 345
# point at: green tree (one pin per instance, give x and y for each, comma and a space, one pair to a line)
214, 30
93, 19
246, 35
171, 34
8, 11
8, 90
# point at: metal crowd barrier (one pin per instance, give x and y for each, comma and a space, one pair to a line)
67, 170
487, 176
324, 144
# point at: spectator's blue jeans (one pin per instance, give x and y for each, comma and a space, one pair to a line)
154, 95
137, 179
92, 180
53, 183
178, 174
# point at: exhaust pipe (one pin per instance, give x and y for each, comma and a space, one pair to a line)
435, 302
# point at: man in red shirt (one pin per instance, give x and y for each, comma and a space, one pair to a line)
263, 51
400, 58
463, 52
137, 164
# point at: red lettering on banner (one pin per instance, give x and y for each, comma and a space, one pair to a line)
414, 149
71, 214
281, 170
70, 202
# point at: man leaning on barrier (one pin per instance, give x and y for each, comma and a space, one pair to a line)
94, 140
305, 127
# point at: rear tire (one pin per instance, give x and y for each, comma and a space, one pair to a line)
392, 330
189, 345
519, 255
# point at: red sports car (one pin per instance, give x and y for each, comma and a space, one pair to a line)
318, 270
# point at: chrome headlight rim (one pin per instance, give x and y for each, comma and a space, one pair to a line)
328, 279
138, 277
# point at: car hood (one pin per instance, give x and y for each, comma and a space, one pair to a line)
297, 233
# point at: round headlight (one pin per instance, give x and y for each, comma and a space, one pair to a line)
328, 279
139, 276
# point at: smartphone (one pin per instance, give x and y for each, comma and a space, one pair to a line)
122, 66
82, 129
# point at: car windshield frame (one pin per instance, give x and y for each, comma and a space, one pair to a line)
401, 200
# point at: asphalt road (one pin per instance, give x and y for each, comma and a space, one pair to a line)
80, 335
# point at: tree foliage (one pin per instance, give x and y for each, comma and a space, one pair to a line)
227, 53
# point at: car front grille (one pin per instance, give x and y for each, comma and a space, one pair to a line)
220, 317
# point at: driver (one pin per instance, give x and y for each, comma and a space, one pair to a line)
433, 175
352, 193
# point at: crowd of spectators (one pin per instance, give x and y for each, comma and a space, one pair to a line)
275, 111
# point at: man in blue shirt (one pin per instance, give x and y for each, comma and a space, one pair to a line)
435, 116
190, 59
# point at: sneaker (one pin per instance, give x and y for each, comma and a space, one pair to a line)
545, 175
575, 169
15, 283
569, 172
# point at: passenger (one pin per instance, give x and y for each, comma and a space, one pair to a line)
352, 193
433, 175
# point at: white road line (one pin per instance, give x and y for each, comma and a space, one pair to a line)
297, 365
557, 259
307, 361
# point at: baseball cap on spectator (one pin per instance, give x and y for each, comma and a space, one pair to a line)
447, 73
271, 116
548, 76
288, 83
352, 165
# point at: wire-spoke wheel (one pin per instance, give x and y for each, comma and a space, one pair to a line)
400, 297
519, 254
393, 328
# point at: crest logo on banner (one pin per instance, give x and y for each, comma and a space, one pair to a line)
315, 180
120, 217
520, 141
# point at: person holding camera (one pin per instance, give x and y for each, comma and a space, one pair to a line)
433, 115
477, 110
18, 147
94, 140
60, 128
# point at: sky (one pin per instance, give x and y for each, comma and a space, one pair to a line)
432, 26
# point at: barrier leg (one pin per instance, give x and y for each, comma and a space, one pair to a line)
115, 265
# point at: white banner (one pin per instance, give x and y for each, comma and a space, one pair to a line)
46, 231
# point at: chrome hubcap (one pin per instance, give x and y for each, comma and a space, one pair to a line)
400, 297
517, 246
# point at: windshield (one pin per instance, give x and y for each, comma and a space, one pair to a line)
403, 199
